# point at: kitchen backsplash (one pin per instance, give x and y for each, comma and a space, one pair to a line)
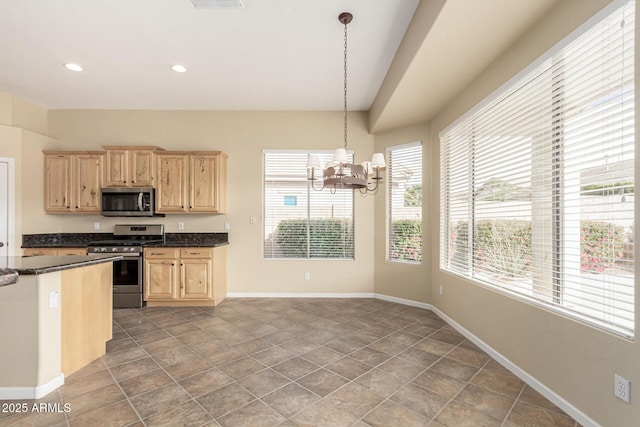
82, 239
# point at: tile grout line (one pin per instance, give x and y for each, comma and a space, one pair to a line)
515, 401
388, 398
308, 321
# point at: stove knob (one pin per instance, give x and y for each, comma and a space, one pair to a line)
103, 249
114, 249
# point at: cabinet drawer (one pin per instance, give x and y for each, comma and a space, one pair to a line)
196, 253
72, 251
164, 253
40, 251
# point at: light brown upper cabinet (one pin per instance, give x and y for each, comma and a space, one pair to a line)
191, 182
128, 166
72, 181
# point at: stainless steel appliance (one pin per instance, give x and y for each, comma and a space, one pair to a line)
127, 201
128, 273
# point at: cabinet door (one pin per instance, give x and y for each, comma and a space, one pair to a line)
195, 278
88, 181
171, 190
203, 181
160, 279
117, 168
219, 280
142, 168
57, 183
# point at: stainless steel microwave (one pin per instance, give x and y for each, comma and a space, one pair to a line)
127, 201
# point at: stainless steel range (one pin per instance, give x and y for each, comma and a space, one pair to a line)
128, 273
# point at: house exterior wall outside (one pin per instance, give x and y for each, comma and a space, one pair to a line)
574, 360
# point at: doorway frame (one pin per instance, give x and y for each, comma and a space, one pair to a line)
11, 190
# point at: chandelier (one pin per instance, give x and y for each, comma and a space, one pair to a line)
340, 173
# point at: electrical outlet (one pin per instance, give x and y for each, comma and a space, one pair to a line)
54, 299
96, 226
307, 276
181, 226
227, 226
440, 289
621, 390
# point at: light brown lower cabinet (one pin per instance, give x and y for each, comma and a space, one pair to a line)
53, 251
185, 276
86, 301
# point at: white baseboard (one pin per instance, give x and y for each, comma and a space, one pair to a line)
328, 295
403, 301
555, 398
297, 295
16, 393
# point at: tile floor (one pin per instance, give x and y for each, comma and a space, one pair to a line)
291, 362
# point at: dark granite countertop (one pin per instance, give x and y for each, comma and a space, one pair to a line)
50, 264
80, 240
196, 240
62, 240
8, 276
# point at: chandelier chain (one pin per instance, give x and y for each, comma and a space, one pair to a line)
345, 85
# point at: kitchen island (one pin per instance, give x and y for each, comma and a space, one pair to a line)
55, 319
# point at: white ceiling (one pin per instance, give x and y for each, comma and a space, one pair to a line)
448, 44
271, 55
407, 58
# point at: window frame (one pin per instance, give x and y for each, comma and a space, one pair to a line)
308, 192
390, 204
445, 264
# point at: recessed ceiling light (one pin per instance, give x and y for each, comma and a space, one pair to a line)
179, 68
73, 67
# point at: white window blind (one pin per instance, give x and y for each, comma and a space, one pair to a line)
300, 222
537, 183
404, 166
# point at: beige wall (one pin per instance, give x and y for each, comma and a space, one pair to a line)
402, 280
20, 139
30, 353
574, 360
23, 114
242, 135
31, 184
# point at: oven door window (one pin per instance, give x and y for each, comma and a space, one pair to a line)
127, 272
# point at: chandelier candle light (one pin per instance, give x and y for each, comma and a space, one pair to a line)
339, 173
